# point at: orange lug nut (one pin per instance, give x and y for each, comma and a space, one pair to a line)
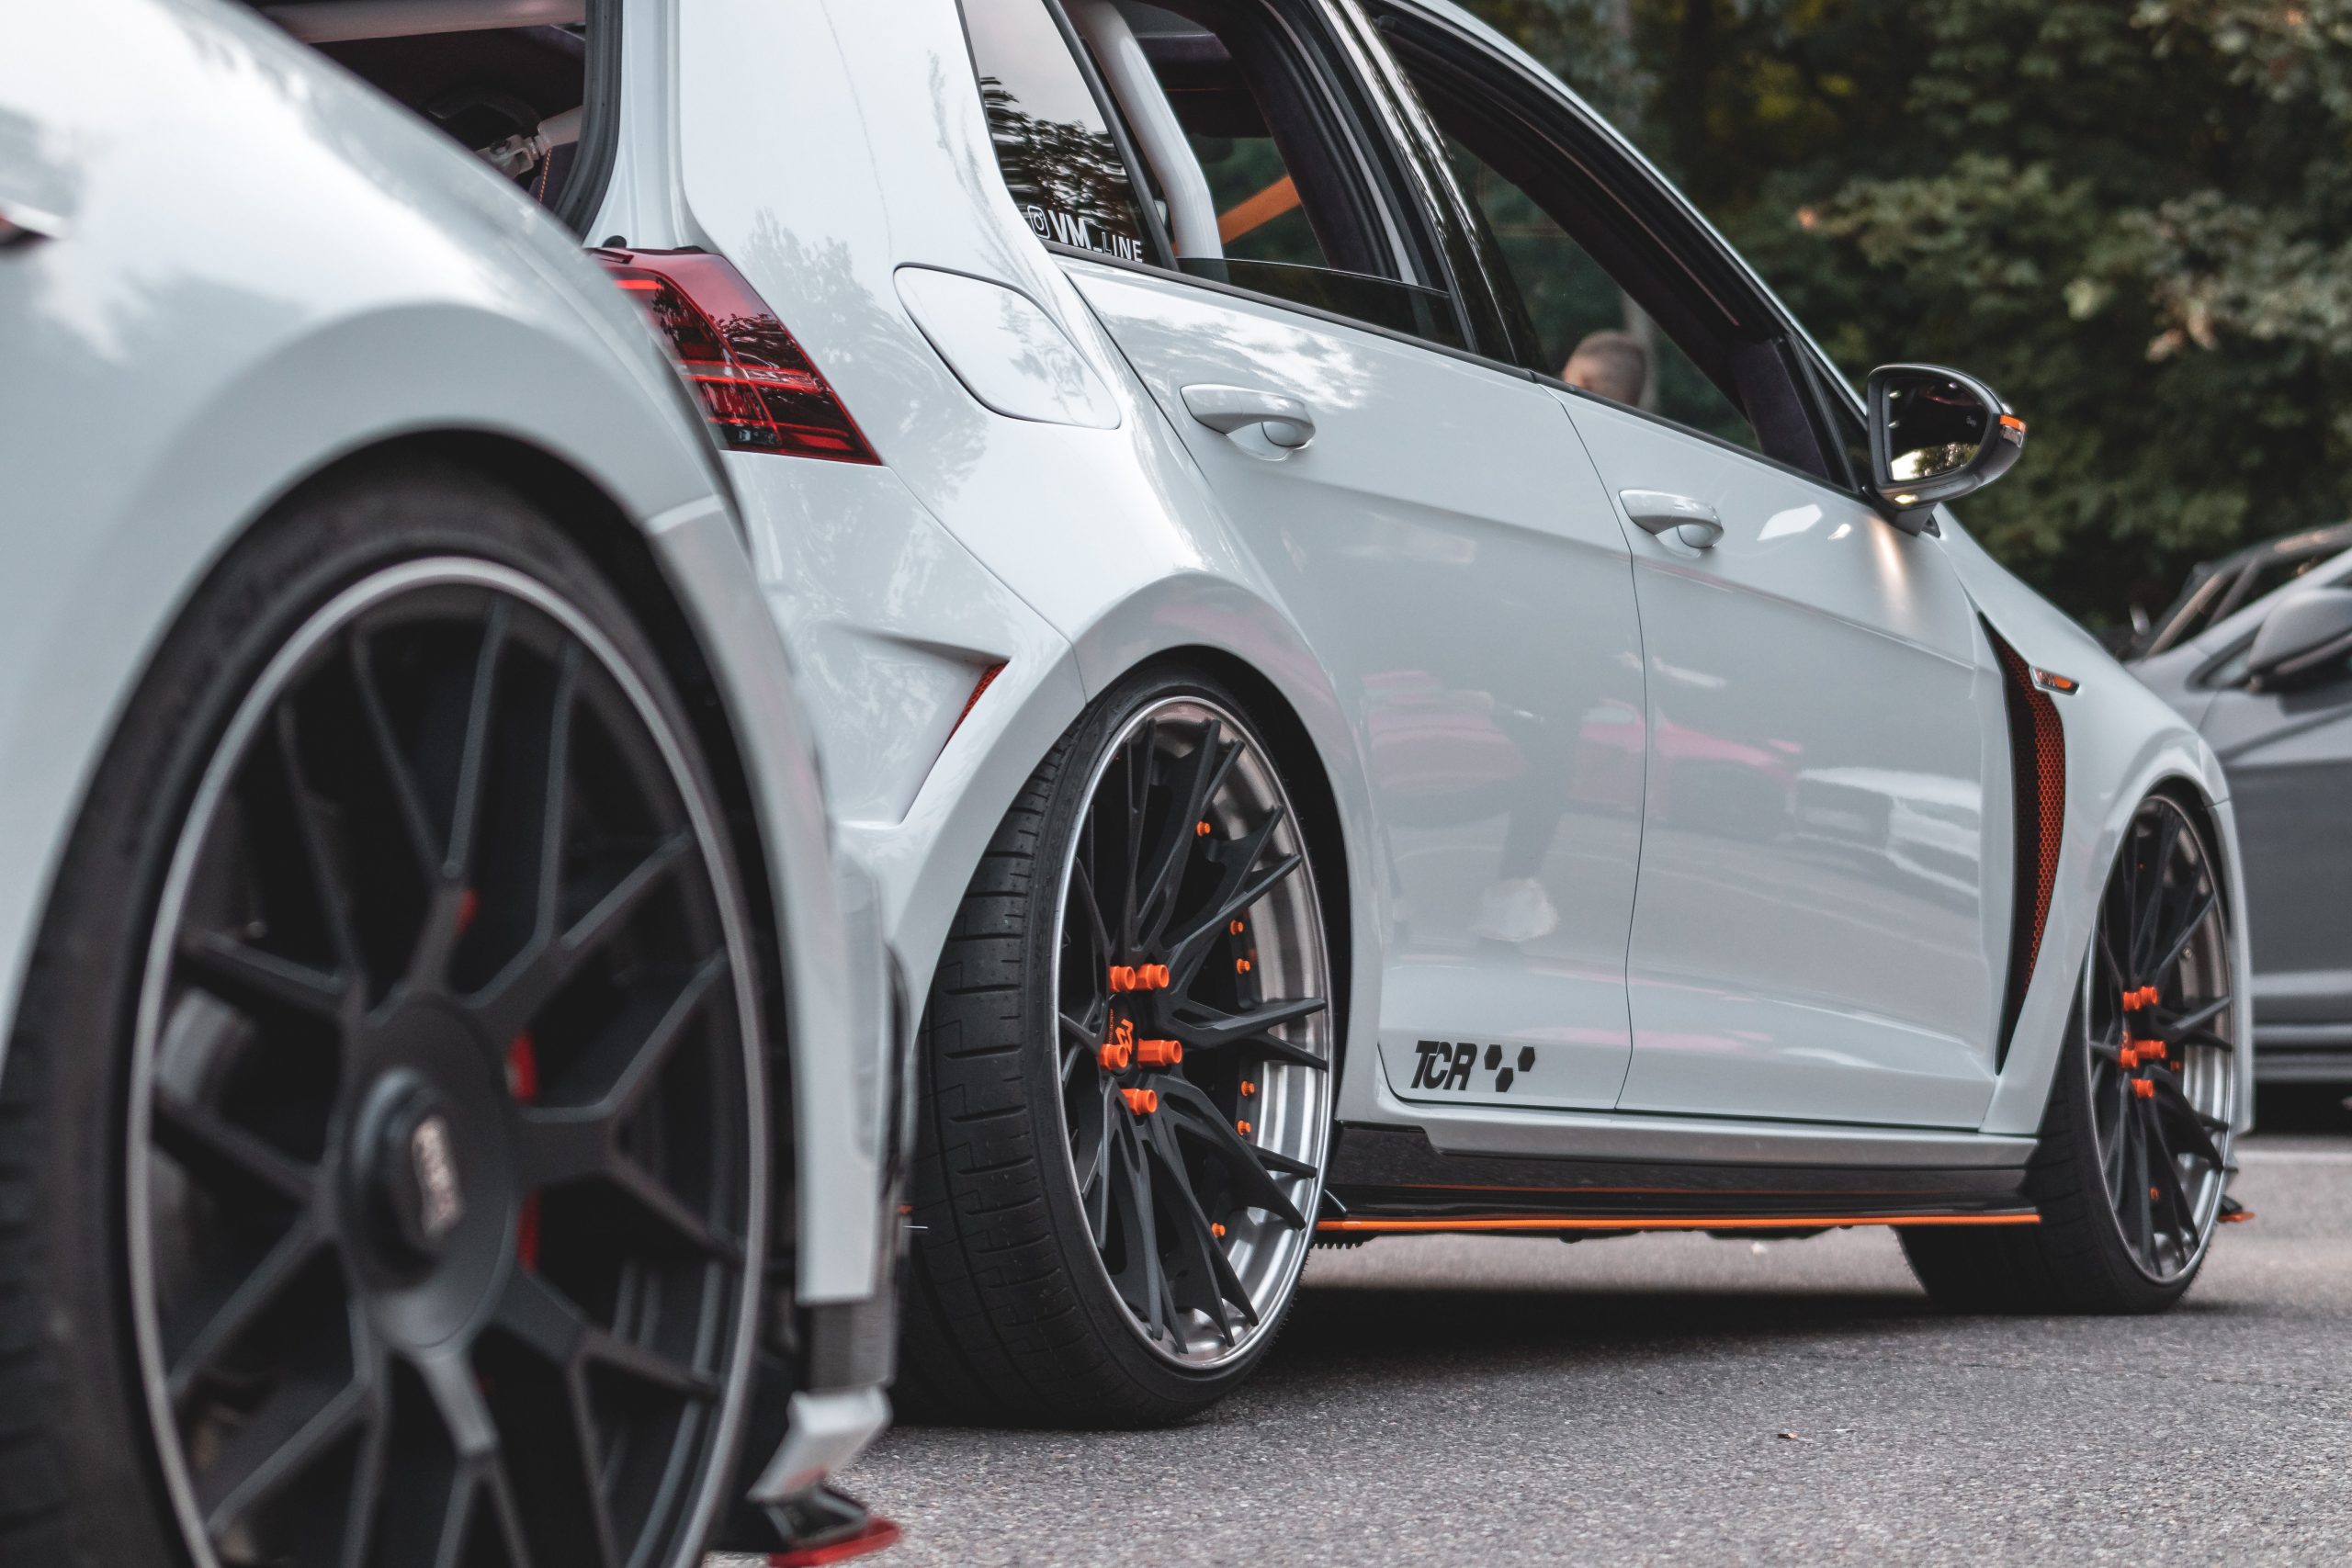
2144, 1087
1154, 977
1241, 966
1201, 829
1242, 1127
1160, 1053
1142, 1101
1216, 1230
1248, 1088
2146, 997
1114, 1055
2129, 1055
2152, 1050
1123, 977
1237, 928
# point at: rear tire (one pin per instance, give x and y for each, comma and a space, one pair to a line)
183, 1191
2143, 1102
1078, 1259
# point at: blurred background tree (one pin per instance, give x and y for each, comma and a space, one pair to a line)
2133, 217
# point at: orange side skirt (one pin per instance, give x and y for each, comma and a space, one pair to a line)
1676, 1222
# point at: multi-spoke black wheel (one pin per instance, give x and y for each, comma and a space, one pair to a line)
1160, 1069
2134, 1161
444, 1136
2158, 1007
1196, 1075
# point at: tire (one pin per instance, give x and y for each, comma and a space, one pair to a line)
2100, 1247
1042, 1149
283, 1124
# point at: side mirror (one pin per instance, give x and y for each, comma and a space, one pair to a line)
1936, 434
2306, 637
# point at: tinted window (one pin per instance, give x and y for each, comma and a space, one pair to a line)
1052, 141
1266, 143
1589, 331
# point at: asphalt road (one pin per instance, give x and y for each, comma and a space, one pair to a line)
1675, 1399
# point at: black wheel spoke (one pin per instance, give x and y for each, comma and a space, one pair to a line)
416, 823
279, 1443
262, 983
1244, 1163
226, 1314
1249, 1029
533, 979
2182, 931
226, 1157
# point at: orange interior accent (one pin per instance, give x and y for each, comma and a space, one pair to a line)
1679, 1222
2144, 1087
1257, 211
1142, 1101
1160, 1053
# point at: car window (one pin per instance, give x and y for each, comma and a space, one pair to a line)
1053, 141
1588, 331
1240, 145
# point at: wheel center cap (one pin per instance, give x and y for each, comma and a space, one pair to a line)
413, 1178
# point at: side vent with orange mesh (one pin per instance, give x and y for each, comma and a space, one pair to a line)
2037, 769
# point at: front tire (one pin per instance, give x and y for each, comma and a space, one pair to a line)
1128, 1050
2134, 1158
383, 1137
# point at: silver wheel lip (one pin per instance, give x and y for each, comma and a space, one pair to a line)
1300, 1243
377, 588
2225, 1080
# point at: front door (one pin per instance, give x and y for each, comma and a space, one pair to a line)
1820, 929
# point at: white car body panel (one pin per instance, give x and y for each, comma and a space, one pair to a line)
406, 292
1071, 555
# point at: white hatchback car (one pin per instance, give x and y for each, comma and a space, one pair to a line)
443, 1115
1389, 684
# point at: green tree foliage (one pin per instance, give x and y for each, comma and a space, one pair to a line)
2134, 217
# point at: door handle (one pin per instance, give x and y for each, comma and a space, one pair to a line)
1690, 520
1287, 421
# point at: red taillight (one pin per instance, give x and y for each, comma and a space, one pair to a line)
759, 392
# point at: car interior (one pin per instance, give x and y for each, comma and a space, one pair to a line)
525, 97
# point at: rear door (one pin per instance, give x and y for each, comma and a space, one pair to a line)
1430, 519
1821, 929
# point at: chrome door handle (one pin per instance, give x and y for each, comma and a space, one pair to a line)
1690, 521
1287, 421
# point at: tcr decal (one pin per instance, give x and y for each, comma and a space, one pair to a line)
1448, 1065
